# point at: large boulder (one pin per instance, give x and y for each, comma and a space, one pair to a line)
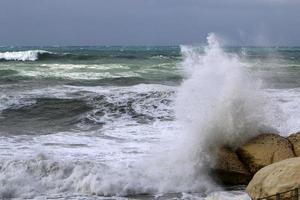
229, 170
275, 178
264, 150
295, 141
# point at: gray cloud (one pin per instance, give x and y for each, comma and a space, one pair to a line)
149, 22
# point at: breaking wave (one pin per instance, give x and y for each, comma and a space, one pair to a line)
32, 55
68, 179
22, 114
218, 103
54, 54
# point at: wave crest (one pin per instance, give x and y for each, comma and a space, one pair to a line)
31, 55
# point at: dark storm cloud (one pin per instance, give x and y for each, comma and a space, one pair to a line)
150, 22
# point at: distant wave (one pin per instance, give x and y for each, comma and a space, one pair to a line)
34, 55
31, 55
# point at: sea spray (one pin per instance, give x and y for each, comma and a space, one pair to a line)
218, 103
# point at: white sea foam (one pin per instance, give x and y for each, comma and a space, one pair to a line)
43, 176
79, 71
32, 55
289, 107
218, 103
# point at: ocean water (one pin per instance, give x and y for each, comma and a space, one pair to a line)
136, 122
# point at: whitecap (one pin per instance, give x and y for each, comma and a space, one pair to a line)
31, 55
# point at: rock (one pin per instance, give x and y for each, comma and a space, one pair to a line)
275, 178
264, 150
229, 170
295, 141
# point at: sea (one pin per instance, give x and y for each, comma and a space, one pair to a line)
135, 122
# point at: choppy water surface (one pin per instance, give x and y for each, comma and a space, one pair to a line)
90, 122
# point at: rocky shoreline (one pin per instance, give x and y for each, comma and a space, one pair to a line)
243, 165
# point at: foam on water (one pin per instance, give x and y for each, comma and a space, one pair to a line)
218, 103
288, 109
22, 55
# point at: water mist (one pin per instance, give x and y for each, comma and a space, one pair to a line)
217, 104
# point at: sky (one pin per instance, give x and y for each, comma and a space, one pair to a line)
149, 22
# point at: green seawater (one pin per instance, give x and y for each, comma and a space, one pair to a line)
77, 122
279, 67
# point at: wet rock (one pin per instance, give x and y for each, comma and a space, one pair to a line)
264, 150
275, 178
229, 170
295, 141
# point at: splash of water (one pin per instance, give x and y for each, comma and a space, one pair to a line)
219, 103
